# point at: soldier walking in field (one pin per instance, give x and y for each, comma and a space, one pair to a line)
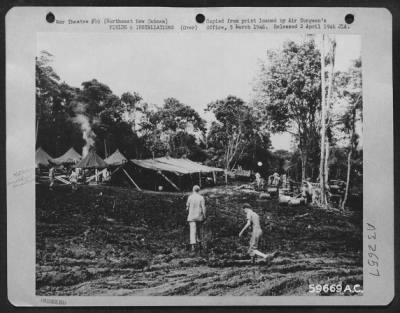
254, 220
195, 206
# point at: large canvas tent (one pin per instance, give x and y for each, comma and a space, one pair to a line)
172, 173
92, 161
177, 166
116, 159
71, 156
42, 158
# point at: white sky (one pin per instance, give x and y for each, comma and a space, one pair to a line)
195, 68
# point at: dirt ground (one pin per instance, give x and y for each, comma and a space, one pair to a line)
117, 241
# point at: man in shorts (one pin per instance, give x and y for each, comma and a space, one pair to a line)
254, 220
197, 215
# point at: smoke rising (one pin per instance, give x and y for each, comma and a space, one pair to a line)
87, 133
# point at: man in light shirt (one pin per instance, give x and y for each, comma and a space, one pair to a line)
197, 215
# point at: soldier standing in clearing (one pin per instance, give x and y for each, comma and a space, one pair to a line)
196, 217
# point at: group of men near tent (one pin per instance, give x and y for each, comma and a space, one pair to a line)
273, 180
76, 175
77, 167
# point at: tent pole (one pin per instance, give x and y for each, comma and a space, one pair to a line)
168, 180
214, 178
180, 181
200, 179
130, 178
116, 170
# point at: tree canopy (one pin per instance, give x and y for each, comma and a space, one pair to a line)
287, 98
288, 93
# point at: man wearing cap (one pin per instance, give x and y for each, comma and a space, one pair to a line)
197, 215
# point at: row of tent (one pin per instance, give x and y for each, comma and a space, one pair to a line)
172, 173
91, 160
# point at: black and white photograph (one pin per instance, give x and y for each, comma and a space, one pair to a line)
169, 164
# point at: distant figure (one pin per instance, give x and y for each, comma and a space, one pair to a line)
197, 215
276, 179
284, 180
73, 179
82, 176
307, 191
253, 220
106, 175
258, 181
270, 179
51, 177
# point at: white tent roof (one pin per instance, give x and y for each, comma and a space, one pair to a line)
178, 166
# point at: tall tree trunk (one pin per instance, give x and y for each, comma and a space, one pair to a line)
352, 145
348, 178
303, 157
323, 126
324, 169
327, 105
303, 166
326, 161
226, 165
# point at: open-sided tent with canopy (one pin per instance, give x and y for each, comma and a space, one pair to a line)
92, 161
69, 157
42, 158
173, 174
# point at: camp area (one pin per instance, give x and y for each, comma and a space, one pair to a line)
159, 174
169, 174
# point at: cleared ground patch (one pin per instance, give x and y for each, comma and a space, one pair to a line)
116, 241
